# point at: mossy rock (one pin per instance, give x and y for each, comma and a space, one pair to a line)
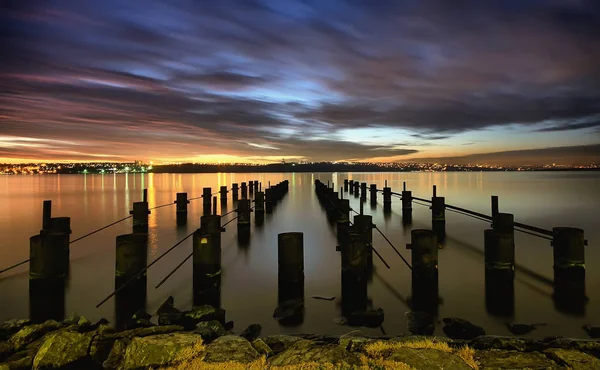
66, 349
280, 342
572, 359
429, 359
304, 351
117, 354
499, 342
230, 348
9, 327
160, 350
501, 359
31, 333
261, 347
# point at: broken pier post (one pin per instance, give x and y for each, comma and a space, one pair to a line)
206, 200
181, 208
438, 216
290, 277
140, 214
424, 258
207, 262
406, 205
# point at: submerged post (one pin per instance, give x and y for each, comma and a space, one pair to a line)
140, 214
343, 222
145, 195
438, 215
406, 205
49, 251
363, 191
47, 214
243, 211
569, 269
354, 275
207, 262
356, 189
494, 205
181, 208
364, 225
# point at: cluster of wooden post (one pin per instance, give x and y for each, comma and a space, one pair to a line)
273, 194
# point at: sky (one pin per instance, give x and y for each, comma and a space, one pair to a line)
266, 80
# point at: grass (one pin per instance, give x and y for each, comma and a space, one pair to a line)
374, 359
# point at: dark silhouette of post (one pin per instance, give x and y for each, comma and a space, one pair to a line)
424, 248
181, 208
207, 262
387, 198
406, 205
438, 216
206, 200
234, 191
290, 257
569, 270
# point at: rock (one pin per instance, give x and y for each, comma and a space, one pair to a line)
252, 332
210, 330
228, 325
322, 339
304, 351
9, 327
279, 343
168, 319
103, 343
168, 306
340, 321
368, 318
262, 348
31, 333
591, 346
63, 349
323, 298
572, 359
161, 349
428, 359
21, 363
420, 323
206, 313
592, 331
456, 328
102, 321
5, 351
499, 359
230, 348
142, 315
521, 329
72, 320
499, 342
354, 341
117, 354
290, 310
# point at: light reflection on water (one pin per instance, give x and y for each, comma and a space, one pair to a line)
249, 281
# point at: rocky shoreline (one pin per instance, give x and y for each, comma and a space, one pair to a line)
202, 339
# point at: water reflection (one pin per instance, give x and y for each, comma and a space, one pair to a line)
569, 291
46, 300
131, 300
500, 292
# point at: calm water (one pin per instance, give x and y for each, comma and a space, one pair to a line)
249, 285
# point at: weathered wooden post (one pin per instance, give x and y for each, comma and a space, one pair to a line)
499, 251
145, 195
290, 258
438, 216
424, 248
131, 257
406, 205
354, 275
345, 185
269, 200
223, 191
364, 225
387, 198
351, 182
140, 214
373, 191
494, 205
206, 197
181, 208
363, 191
259, 202
207, 262
46, 214
234, 190
569, 269
343, 222
243, 211
251, 187
256, 186
356, 189
49, 252
244, 190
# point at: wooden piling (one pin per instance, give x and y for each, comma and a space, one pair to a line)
343, 222
251, 187
351, 183
345, 185
290, 278
495, 208
207, 262
243, 212
499, 292
131, 256
363, 191
354, 274
373, 191
256, 186
356, 189
206, 200
424, 248
181, 208
269, 200
140, 214
499, 243
387, 199
438, 215
259, 203
364, 225
244, 190
569, 270
406, 205
46, 214
234, 191
145, 195
223, 192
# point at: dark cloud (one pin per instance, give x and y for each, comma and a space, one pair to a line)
230, 72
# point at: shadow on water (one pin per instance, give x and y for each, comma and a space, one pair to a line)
243, 237
129, 301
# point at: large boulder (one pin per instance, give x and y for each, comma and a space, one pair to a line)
230, 348
162, 349
304, 351
31, 333
210, 330
103, 343
456, 328
65, 349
